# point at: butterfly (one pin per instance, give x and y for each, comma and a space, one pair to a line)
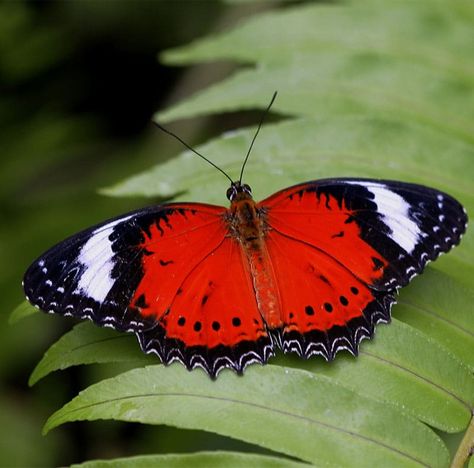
309, 270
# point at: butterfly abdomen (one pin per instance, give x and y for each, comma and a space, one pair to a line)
248, 225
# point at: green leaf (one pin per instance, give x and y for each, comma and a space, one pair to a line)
277, 408
196, 460
296, 150
383, 65
88, 344
25, 309
443, 310
407, 369
391, 28
401, 366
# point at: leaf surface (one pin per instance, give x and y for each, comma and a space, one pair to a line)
353, 431
196, 460
89, 344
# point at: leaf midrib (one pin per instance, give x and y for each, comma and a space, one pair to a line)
307, 419
439, 317
419, 377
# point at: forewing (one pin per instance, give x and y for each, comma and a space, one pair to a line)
383, 231
342, 247
171, 274
109, 273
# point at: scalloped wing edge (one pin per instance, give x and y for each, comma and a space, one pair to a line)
325, 343
212, 360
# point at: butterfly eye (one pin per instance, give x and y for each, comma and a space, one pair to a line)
231, 192
246, 188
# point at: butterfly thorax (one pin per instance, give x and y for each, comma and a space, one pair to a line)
248, 226
247, 223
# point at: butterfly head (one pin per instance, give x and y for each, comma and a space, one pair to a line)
238, 191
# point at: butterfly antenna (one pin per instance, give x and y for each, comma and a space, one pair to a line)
256, 133
191, 149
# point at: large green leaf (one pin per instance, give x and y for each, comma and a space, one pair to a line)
427, 31
196, 460
289, 411
402, 367
441, 307
410, 60
296, 150
88, 344
411, 371
25, 309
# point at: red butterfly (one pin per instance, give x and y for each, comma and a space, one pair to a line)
311, 269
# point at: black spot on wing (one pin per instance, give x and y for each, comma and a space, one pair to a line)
328, 343
141, 302
377, 263
339, 234
166, 262
328, 307
324, 279
236, 322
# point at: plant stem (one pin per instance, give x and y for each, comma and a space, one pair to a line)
466, 447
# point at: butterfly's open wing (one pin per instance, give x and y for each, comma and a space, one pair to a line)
342, 247
168, 273
213, 321
95, 274
174, 274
